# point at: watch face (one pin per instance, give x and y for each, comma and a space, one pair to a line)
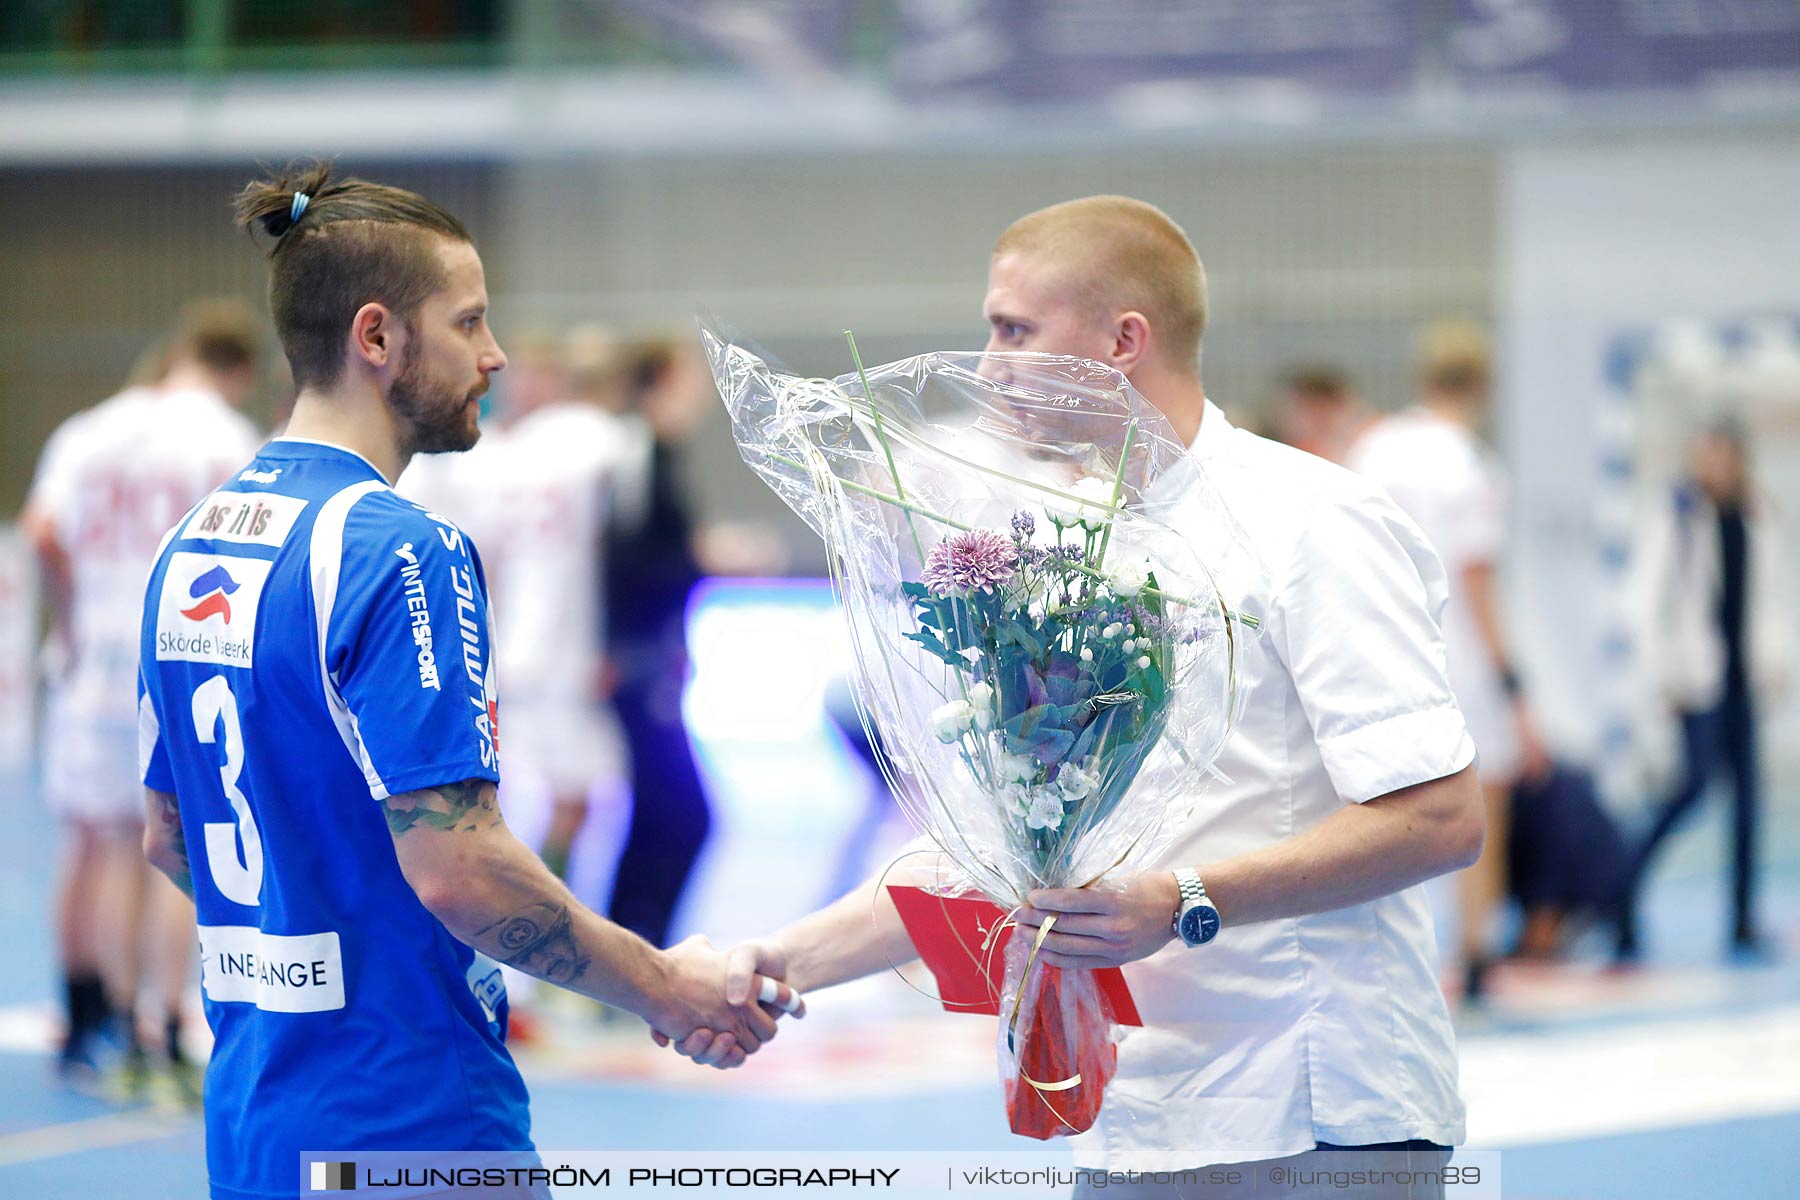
1199, 924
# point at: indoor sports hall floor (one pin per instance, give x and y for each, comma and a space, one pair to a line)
1677, 1080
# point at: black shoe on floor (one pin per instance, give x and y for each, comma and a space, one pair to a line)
1750, 948
81, 1063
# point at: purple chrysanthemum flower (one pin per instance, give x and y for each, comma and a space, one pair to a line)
1024, 524
968, 562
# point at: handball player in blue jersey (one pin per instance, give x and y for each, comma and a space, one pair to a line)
320, 737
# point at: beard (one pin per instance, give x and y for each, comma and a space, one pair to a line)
431, 415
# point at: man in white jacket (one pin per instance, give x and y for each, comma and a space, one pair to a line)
1713, 628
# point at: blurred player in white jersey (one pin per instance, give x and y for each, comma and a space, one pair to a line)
535, 493
1432, 462
110, 481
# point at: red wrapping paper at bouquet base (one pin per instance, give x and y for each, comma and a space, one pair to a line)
1061, 1054
1056, 1045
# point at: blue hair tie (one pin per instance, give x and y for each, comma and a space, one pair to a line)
301, 200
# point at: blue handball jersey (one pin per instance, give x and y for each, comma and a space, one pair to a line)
312, 644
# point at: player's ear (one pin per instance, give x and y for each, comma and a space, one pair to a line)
375, 336
1131, 341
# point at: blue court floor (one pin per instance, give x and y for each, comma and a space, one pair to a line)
1674, 1081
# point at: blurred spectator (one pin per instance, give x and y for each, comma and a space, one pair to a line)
110, 482
651, 566
1430, 459
1717, 632
1320, 412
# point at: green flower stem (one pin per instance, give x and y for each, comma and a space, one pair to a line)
881, 436
1118, 488
875, 493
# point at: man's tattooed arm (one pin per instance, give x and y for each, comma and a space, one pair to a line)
164, 843
489, 890
540, 941
466, 807
492, 893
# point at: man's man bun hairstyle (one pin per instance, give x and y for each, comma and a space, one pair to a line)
340, 244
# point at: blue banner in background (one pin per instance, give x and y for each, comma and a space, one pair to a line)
1625, 44
1048, 50
1244, 52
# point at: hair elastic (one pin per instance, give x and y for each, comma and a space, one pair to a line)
301, 200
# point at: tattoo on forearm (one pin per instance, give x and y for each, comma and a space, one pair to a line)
170, 818
463, 807
539, 941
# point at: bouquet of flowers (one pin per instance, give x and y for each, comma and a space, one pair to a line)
1040, 651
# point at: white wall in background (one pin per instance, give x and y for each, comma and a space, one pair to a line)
1598, 239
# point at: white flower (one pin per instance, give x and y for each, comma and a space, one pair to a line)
952, 720
1128, 645
1017, 768
1144, 663
1075, 783
1046, 811
1129, 577
1087, 502
982, 697
1111, 631
1087, 655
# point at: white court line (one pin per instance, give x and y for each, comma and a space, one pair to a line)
94, 1133
1527, 1088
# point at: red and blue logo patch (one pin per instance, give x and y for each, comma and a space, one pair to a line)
211, 589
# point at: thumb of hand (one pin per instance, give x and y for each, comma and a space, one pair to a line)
740, 970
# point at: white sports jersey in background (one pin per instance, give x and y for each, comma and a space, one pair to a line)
1455, 490
534, 496
111, 481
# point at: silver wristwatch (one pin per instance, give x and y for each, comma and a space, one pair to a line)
1196, 919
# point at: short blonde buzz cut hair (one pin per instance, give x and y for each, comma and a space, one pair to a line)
1454, 357
1115, 254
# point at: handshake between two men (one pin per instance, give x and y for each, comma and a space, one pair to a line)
862, 933
723, 1034
492, 893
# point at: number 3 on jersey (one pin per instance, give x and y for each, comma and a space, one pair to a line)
238, 879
